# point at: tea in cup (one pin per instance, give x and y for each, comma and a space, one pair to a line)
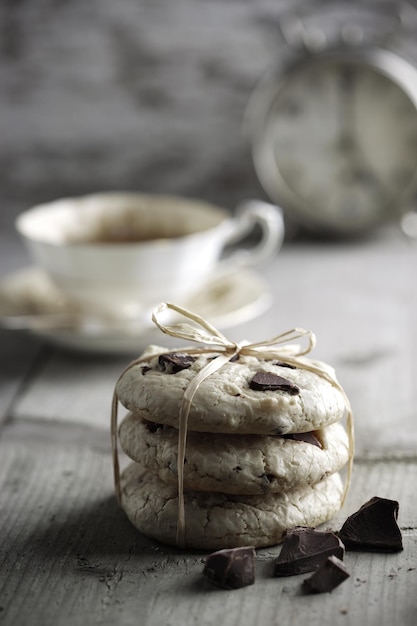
120, 254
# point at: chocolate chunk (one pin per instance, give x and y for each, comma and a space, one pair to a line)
268, 478
234, 358
304, 549
307, 437
331, 573
153, 426
282, 364
174, 362
231, 568
373, 527
266, 381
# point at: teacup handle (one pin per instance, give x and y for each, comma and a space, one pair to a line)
249, 214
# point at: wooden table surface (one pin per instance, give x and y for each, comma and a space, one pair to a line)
69, 556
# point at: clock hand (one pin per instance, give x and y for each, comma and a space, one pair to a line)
348, 144
346, 110
358, 178
363, 172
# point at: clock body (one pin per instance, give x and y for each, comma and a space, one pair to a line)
334, 138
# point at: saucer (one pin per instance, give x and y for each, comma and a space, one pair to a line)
30, 302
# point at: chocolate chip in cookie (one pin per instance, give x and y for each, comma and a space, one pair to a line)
267, 381
283, 364
153, 427
309, 437
174, 362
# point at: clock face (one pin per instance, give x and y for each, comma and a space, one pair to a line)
339, 144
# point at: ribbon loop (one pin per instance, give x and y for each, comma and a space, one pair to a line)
183, 330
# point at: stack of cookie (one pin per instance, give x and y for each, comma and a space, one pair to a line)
264, 447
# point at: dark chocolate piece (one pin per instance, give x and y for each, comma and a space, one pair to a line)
153, 426
373, 527
283, 364
234, 358
266, 381
331, 573
174, 362
267, 479
231, 568
304, 549
306, 437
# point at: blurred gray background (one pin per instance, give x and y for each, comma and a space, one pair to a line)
128, 94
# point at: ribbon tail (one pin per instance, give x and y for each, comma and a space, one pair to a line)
115, 453
351, 437
185, 408
209, 335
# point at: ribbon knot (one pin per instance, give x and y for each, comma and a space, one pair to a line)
208, 335
278, 347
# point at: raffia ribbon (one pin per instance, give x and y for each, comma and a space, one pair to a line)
279, 347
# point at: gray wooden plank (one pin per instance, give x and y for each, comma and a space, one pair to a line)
68, 556
71, 387
18, 355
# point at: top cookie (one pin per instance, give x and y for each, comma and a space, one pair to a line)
248, 395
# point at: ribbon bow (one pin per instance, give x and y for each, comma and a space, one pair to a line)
279, 347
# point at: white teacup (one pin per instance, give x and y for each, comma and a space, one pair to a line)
121, 253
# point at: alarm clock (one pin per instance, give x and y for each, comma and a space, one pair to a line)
334, 136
